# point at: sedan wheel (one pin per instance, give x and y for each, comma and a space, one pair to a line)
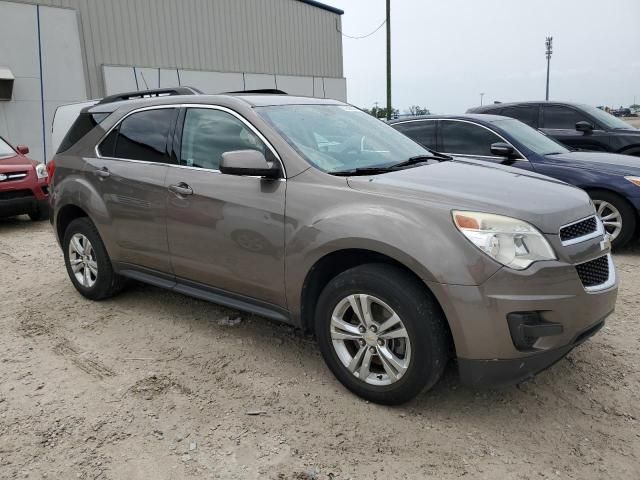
82, 259
617, 214
610, 216
370, 339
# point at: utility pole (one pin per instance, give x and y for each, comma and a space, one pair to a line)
481, 97
549, 51
388, 59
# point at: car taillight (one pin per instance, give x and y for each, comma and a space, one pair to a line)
51, 168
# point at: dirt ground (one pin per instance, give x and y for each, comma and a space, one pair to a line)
155, 385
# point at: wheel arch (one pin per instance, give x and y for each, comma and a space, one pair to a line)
630, 150
332, 264
67, 214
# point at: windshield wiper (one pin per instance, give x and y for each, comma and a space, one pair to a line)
420, 159
362, 171
390, 168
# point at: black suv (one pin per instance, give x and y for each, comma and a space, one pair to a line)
577, 126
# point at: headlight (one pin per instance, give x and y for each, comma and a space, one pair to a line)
634, 180
41, 170
509, 241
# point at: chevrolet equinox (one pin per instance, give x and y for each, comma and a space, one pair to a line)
314, 213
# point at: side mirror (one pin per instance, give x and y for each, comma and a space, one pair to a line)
22, 149
584, 127
249, 163
501, 149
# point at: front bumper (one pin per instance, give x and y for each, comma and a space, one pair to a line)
499, 373
568, 312
28, 195
21, 206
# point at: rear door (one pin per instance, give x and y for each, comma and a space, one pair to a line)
559, 122
129, 173
226, 232
467, 139
420, 131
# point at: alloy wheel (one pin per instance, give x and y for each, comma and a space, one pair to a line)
610, 216
82, 258
370, 339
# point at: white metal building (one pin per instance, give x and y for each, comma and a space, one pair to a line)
54, 52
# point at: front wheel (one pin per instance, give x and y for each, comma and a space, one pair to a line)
381, 333
617, 215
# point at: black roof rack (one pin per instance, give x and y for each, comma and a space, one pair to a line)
158, 92
264, 91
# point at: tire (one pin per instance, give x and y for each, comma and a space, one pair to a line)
105, 283
627, 215
39, 214
426, 329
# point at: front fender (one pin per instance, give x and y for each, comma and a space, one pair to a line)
423, 240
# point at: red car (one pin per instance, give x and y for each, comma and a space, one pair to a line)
24, 184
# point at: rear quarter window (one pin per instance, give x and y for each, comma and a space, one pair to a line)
83, 125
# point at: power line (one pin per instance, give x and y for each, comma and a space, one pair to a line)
362, 36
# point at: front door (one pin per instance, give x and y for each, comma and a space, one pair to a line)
468, 139
559, 122
129, 175
225, 231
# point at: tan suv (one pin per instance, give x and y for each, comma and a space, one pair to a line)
314, 213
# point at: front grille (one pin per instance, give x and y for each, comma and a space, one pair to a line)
578, 229
8, 177
14, 194
595, 272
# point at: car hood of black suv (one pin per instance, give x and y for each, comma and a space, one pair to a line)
603, 162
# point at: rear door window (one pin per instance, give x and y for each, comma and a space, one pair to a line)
423, 132
466, 138
526, 114
142, 136
561, 118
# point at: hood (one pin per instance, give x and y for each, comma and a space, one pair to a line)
15, 163
614, 163
544, 202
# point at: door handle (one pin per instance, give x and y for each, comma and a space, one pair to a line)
181, 189
102, 172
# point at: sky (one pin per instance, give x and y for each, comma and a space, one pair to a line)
446, 52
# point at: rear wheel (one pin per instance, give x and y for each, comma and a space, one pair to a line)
618, 217
87, 261
381, 333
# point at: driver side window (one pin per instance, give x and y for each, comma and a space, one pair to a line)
208, 133
467, 138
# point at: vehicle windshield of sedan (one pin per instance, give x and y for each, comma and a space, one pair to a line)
338, 138
531, 138
6, 150
606, 119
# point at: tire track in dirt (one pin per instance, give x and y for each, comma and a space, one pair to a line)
88, 365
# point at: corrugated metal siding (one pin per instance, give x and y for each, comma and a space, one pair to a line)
261, 36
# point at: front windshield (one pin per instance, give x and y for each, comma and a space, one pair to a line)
605, 118
530, 137
337, 138
6, 150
